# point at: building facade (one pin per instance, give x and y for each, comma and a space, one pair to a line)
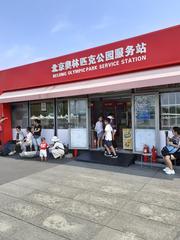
137, 80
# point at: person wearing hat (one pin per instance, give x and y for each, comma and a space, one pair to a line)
57, 148
113, 125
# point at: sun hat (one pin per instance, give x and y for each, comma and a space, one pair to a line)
55, 139
110, 117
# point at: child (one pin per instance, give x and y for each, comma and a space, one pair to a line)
108, 140
43, 149
113, 125
99, 130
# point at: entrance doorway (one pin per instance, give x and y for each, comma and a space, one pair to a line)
120, 109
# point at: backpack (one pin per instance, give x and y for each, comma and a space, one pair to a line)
168, 150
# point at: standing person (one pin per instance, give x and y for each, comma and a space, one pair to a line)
18, 142
108, 140
171, 151
2, 119
113, 125
43, 149
57, 148
37, 134
100, 132
28, 139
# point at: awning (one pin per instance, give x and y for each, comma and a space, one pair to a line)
169, 75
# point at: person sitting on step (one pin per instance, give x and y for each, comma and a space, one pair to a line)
171, 152
18, 142
57, 148
28, 140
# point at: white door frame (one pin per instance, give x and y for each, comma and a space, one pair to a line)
87, 122
157, 135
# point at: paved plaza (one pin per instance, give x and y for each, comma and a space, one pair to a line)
83, 201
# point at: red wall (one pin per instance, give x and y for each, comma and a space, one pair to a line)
7, 130
163, 49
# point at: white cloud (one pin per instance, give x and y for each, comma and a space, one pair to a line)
60, 26
14, 51
101, 26
104, 23
18, 55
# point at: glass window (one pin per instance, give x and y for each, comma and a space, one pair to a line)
172, 98
62, 114
164, 99
145, 112
178, 98
19, 114
78, 113
169, 110
43, 111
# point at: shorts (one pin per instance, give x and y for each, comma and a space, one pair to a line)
43, 153
100, 135
108, 143
176, 155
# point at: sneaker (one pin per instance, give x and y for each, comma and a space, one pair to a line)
114, 156
165, 169
12, 153
170, 172
21, 154
107, 155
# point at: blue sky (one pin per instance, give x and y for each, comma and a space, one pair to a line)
33, 30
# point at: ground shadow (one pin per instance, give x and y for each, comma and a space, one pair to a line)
134, 169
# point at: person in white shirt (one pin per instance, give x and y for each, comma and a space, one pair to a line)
108, 135
113, 125
100, 131
57, 148
18, 142
28, 139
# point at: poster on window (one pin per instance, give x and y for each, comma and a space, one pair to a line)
144, 136
127, 138
79, 138
143, 107
43, 107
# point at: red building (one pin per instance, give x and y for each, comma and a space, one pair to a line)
136, 79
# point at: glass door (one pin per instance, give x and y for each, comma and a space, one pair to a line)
145, 122
78, 123
63, 121
72, 122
